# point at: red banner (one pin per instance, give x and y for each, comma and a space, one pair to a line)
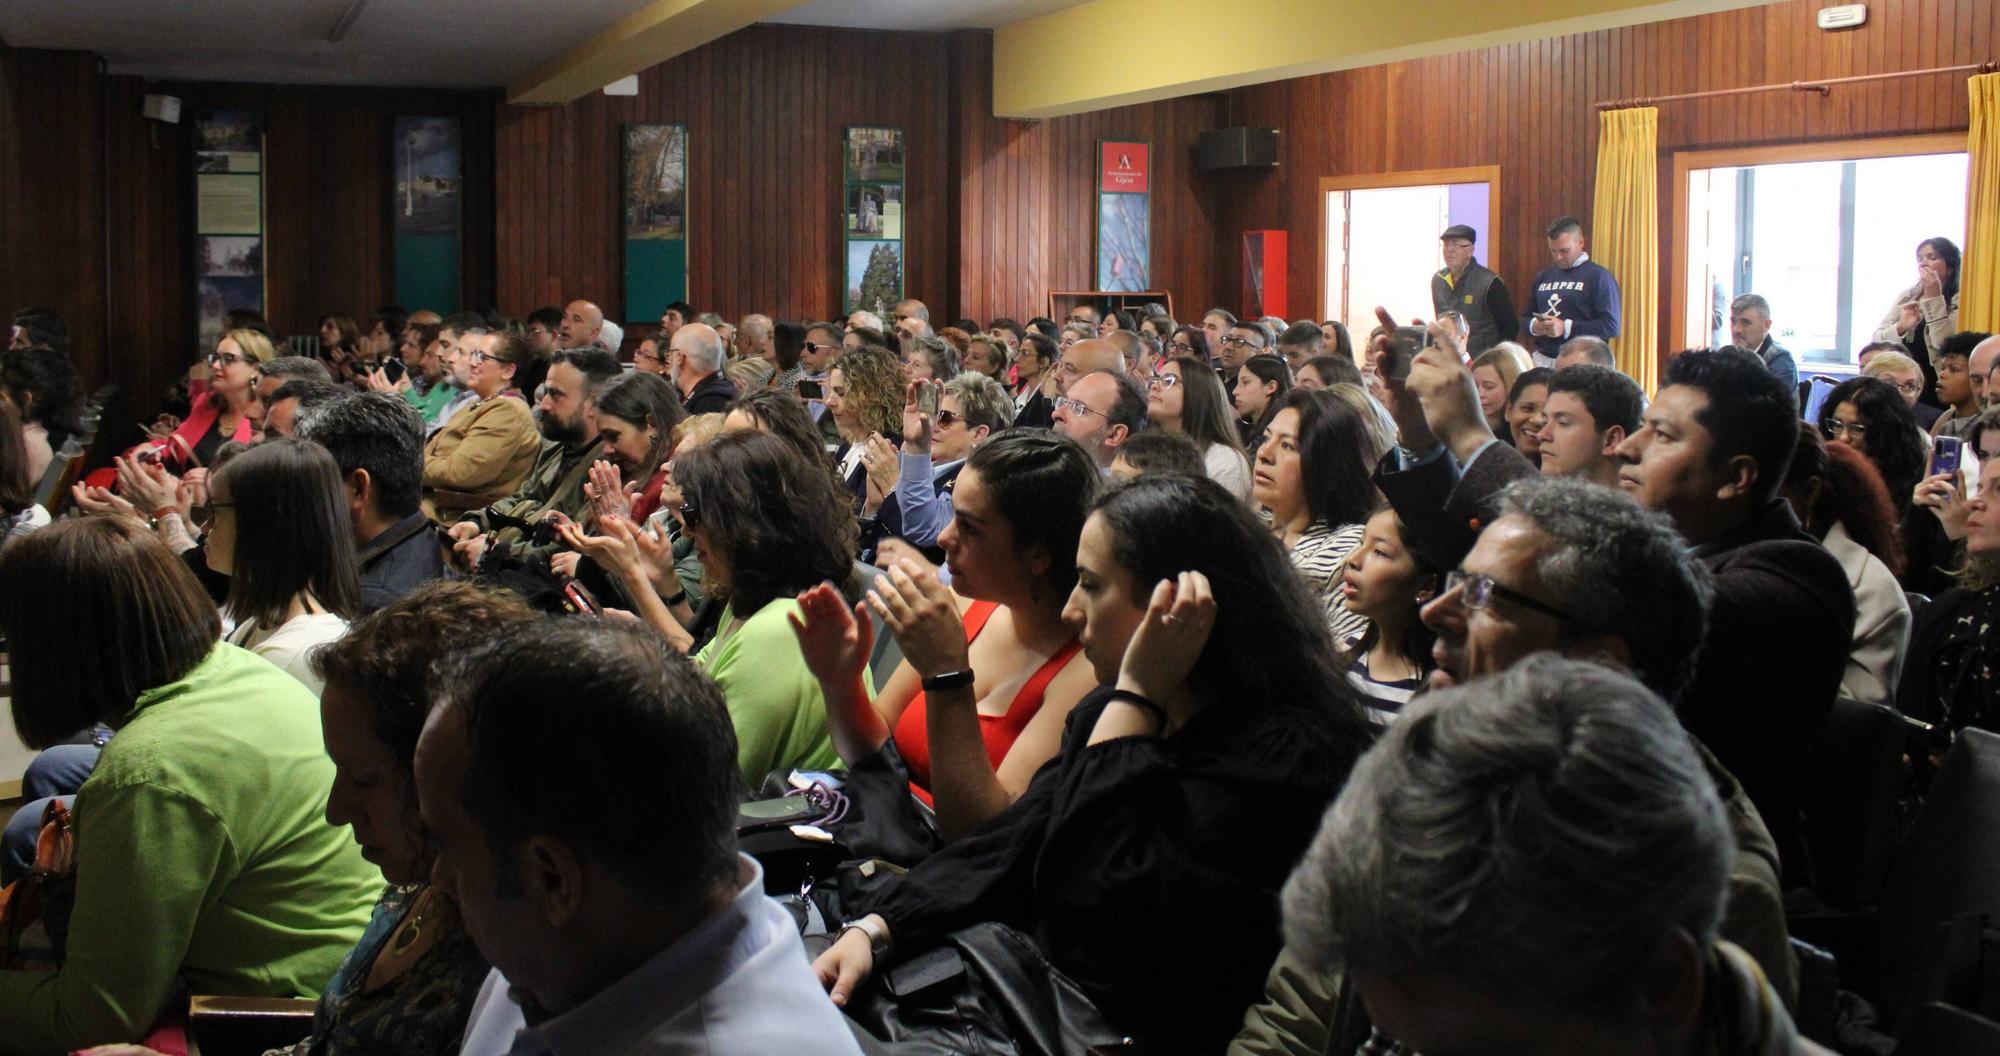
1123, 168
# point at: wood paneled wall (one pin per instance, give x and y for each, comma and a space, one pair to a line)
765, 109
52, 227
1529, 109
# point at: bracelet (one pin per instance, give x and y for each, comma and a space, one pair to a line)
1158, 713
678, 598
948, 680
878, 940
165, 512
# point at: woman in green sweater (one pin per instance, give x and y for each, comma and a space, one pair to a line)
203, 855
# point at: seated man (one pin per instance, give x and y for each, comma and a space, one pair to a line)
455, 357
598, 870
698, 358
568, 425
273, 374
1100, 411
1535, 863
485, 452
1085, 357
377, 440
294, 400
1712, 455
1589, 411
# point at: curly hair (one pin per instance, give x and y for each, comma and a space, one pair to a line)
780, 522
1894, 441
874, 388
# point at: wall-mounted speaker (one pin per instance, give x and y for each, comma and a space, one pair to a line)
1238, 148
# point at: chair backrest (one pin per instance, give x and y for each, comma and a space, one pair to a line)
1950, 865
1856, 763
1917, 603
52, 491
1941, 1030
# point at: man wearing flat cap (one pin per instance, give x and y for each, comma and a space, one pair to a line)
1471, 290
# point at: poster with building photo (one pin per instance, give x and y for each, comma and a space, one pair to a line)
429, 192
872, 198
229, 218
655, 218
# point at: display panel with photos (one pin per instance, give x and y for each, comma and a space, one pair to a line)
872, 218
429, 191
654, 219
229, 218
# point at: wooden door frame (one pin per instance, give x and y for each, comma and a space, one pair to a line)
1687, 161
1487, 174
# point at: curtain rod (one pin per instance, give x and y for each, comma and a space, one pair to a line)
1823, 87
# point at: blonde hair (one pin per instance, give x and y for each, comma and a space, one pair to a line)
749, 374
254, 345
698, 430
1508, 360
1883, 362
1381, 428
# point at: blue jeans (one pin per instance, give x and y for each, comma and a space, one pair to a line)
55, 774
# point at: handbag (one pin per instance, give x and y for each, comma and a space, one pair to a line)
35, 910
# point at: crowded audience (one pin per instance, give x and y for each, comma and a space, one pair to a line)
514, 685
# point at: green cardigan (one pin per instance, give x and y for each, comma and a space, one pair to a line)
773, 699
203, 856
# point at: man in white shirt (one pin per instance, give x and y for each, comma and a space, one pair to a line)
597, 871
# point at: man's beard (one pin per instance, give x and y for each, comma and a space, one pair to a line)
553, 428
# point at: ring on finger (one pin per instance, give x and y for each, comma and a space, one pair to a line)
1170, 619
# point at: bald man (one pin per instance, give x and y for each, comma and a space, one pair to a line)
753, 338
697, 358
1984, 355
1086, 356
583, 323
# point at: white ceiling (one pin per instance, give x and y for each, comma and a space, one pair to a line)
417, 43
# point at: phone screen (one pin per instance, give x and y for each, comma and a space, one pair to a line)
393, 370
1945, 452
927, 399
811, 390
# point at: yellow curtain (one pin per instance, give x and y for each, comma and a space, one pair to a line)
1625, 232
1979, 275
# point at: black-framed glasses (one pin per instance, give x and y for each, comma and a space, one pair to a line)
203, 516
653, 355
1480, 590
1240, 342
1182, 346
483, 356
223, 359
1834, 428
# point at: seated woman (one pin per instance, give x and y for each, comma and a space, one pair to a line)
1185, 789
767, 525
1870, 415
1839, 497
636, 415
1947, 673
1524, 411
408, 986
19, 512
1388, 582
1494, 373
42, 385
1258, 393
990, 670
1313, 477
1186, 397
488, 447
223, 410
864, 394
205, 862
281, 533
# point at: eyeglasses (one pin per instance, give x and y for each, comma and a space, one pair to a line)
1909, 388
1163, 381
1183, 346
1240, 342
652, 355
945, 418
1834, 428
1076, 406
1065, 343
1480, 590
483, 356
224, 359
203, 516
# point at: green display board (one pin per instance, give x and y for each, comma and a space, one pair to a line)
655, 168
871, 212
429, 197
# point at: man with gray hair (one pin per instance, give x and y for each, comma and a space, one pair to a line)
755, 340
377, 440
1534, 863
698, 357
1585, 351
1750, 330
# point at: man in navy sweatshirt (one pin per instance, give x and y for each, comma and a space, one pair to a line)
1575, 297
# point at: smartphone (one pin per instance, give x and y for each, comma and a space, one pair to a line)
811, 390
578, 599
1404, 344
927, 399
394, 370
1945, 454
1822, 387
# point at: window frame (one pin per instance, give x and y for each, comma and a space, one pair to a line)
1371, 181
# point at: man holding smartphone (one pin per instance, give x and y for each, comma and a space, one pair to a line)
1573, 297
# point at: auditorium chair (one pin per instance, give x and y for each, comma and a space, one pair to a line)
1855, 768
1941, 1030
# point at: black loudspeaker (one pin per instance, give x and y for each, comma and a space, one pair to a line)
1239, 148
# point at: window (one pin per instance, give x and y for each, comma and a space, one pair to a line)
1382, 238
1827, 233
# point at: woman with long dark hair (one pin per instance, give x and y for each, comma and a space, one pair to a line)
19, 513
1187, 784
1191, 341
1387, 580
1313, 477
281, 532
1259, 391
1186, 397
636, 415
1839, 497
1927, 313
1870, 415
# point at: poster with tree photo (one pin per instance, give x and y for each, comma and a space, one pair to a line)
872, 218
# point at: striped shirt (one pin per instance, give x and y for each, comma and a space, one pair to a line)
1320, 555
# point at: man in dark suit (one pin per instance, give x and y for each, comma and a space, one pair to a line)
1750, 330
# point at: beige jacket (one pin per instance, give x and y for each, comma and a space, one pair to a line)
481, 456
1940, 319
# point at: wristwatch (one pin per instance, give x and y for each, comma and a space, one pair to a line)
948, 680
878, 940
